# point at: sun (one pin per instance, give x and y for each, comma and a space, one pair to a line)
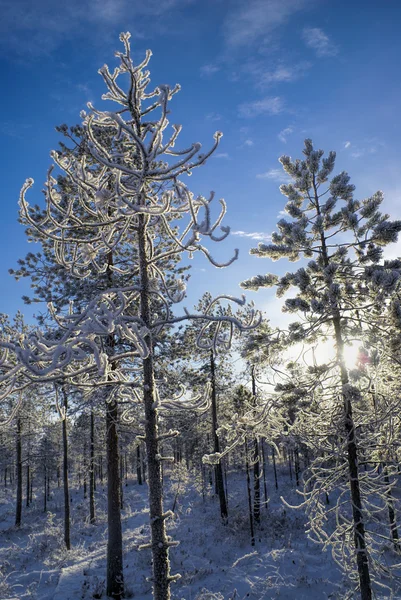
325, 352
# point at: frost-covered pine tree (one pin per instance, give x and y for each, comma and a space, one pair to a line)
342, 280
125, 190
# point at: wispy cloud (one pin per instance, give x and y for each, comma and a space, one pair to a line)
284, 133
277, 175
34, 29
258, 19
318, 40
248, 143
269, 105
281, 73
221, 155
366, 148
213, 117
208, 70
254, 235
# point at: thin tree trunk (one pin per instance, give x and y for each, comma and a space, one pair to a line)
159, 543
296, 466
28, 482
115, 578
45, 489
121, 479
248, 485
115, 575
18, 508
67, 537
391, 511
256, 462
92, 469
85, 466
264, 472
274, 467
216, 445
352, 446
138, 465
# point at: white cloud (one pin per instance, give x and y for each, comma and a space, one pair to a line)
254, 235
319, 41
275, 175
347, 144
280, 74
33, 29
221, 155
269, 105
258, 19
284, 133
370, 146
208, 70
213, 117
248, 143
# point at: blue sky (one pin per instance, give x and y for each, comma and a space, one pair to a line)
268, 73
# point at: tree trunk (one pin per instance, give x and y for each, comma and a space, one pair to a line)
18, 507
92, 469
352, 457
391, 511
256, 462
216, 445
274, 467
352, 446
67, 538
115, 575
45, 489
115, 578
160, 543
248, 485
138, 465
28, 482
264, 473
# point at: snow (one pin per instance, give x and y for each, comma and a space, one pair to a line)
216, 561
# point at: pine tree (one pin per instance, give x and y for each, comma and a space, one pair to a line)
344, 279
128, 199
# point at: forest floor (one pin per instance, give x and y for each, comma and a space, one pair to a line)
216, 561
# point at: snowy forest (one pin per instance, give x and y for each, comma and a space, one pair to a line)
154, 449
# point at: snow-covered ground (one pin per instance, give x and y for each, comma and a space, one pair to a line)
217, 561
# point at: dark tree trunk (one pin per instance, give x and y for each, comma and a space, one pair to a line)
290, 464
256, 462
296, 465
28, 482
85, 467
352, 456
274, 467
67, 537
115, 578
351, 440
138, 465
18, 507
115, 575
216, 445
121, 479
159, 543
248, 485
391, 511
92, 469
45, 489
264, 473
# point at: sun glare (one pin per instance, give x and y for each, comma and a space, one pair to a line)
325, 352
